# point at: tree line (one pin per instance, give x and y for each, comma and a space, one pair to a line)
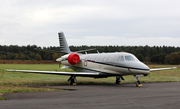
148, 54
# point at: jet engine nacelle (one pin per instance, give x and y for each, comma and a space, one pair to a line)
73, 58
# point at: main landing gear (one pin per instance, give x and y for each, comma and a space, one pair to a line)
72, 80
118, 79
138, 84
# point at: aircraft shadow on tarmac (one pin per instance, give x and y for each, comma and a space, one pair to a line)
75, 87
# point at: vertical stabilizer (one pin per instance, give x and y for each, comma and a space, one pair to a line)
64, 48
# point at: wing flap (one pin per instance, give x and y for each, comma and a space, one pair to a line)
162, 69
55, 73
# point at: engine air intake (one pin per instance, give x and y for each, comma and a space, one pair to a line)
73, 58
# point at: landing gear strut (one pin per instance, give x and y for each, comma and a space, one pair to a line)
138, 84
72, 80
118, 79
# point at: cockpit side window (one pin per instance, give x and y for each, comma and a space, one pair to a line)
129, 58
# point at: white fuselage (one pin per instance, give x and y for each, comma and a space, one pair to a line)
119, 63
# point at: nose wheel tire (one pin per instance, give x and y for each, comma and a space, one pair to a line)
138, 83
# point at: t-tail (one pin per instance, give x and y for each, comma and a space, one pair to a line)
64, 48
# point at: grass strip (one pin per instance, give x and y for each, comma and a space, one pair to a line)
18, 89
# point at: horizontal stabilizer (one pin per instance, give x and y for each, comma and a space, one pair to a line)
49, 51
162, 69
55, 73
85, 50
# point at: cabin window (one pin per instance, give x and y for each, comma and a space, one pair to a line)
95, 59
99, 59
122, 58
87, 58
104, 59
129, 58
91, 59
109, 59
119, 59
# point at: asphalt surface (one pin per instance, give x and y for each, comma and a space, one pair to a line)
106, 96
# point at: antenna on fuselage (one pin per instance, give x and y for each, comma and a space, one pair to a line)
97, 51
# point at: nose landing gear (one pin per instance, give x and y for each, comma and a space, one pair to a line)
138, 83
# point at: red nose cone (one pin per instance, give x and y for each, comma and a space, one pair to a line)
73, 58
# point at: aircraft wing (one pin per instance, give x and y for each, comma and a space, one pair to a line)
55, 73
162, 69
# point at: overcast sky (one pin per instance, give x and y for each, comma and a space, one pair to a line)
90, 22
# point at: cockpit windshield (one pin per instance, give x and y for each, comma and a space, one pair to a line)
129, 58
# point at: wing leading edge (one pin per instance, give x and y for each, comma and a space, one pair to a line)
55, 73
162, 69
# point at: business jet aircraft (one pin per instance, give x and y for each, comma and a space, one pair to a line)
97, 65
